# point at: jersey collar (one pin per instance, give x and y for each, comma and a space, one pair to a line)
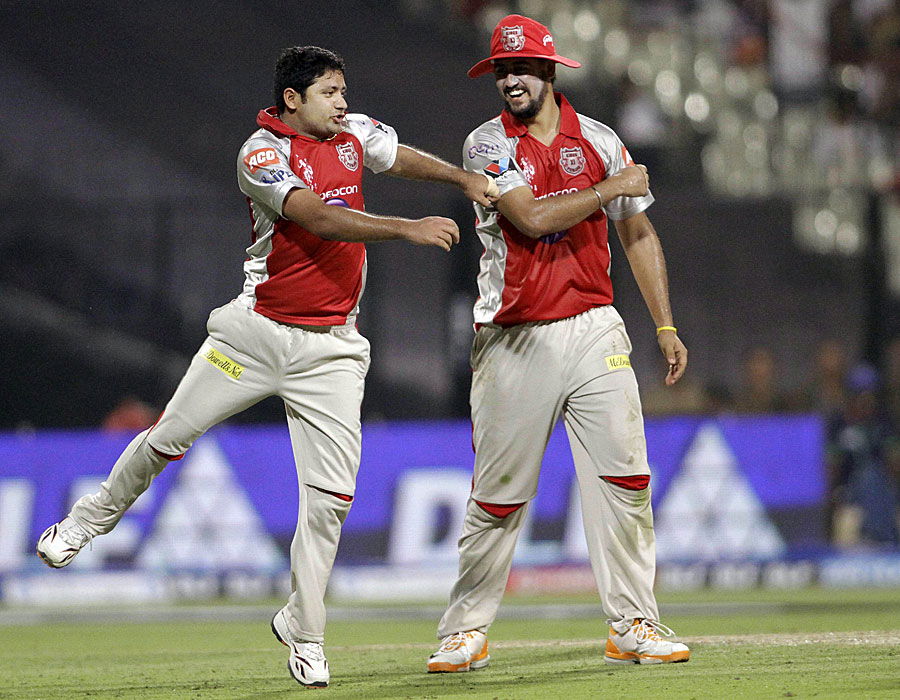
568, 120
269, 120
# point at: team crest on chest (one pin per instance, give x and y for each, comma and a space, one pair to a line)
348, 155
572, 160
512, 38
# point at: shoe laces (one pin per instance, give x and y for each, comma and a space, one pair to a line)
455, 641
74, 535
650, 630
312, 651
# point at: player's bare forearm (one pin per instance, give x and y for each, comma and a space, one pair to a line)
648, 264
418, 165
334, 223
538, 217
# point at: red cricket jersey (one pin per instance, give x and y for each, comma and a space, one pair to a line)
565, 273
292, 275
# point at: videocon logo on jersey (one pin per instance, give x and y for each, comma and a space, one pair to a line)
336, 196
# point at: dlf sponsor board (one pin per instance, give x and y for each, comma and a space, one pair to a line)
729, 489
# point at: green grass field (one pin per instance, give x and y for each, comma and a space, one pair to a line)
827, 644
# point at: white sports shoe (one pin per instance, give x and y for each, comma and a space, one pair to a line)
641, 643
61, 542
463, 651
307, 662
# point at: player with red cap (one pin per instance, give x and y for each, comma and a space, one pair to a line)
549, 344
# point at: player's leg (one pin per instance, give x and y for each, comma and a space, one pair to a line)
230, 372
516, 390
606, 432
322, 399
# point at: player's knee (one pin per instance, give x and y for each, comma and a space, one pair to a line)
171, 436
170, 458
499, 510
340, 496
638, 482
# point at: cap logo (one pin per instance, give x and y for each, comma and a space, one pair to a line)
548, 40
572, 160
512, 38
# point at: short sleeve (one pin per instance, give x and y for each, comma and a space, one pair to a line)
264, 173
619, 158
489, 152
379, 141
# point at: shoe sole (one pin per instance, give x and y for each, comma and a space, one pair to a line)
315, 684
632, 658
444, 667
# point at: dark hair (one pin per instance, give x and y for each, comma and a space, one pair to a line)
299, 67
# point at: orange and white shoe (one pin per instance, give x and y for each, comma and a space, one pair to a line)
463, 651
641, 643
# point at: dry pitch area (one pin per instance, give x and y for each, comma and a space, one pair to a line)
824, 644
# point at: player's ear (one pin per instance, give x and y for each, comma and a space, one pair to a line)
292, 98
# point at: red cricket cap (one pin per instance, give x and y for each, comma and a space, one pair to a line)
516, 36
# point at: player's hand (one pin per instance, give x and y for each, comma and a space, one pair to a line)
433, 230
634, 181
675, 353
480, 188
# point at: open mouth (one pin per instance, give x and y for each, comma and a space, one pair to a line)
516, 93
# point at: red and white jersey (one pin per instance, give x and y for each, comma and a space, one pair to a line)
561, 274
292, 275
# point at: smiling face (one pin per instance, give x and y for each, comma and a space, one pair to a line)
320, 111
525, 84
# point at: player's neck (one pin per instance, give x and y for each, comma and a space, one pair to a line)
298, 125
545, 125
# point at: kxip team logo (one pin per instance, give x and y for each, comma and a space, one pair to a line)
347, 154
571, 160
512, 38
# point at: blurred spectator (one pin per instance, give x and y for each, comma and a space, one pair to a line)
687, 396
759, 392
863, 462
130, 414
892, 382
798, 41
885, 52
641, 124
845, 144
825, 391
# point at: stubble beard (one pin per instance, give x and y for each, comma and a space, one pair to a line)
530, 110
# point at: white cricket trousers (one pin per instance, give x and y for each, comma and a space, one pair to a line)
246, 358
524, 378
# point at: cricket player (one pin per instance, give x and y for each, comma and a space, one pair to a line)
550, 344
292, 330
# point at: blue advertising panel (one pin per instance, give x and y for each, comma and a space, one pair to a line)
231, 503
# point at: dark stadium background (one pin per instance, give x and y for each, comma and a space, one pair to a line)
123, 225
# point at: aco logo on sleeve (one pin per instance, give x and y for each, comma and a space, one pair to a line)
260, 158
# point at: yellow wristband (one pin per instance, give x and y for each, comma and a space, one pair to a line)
599, 196
666, 328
